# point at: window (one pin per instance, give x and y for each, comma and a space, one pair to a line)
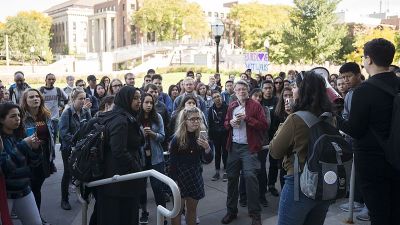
209, 14
123, 6
133, 6
74, 26
215, 14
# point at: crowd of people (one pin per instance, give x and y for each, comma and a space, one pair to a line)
242, 124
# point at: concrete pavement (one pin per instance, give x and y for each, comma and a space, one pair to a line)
211, 209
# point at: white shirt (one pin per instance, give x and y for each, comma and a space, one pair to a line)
239, 134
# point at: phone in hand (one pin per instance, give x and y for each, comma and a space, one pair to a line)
203, 135
30, 131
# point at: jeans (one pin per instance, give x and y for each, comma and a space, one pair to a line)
261, 176
379, 184
306, 211
220, 150
156, 185
66, 178
25, 209
240, 158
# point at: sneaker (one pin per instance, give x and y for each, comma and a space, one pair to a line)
273, 191
264, 202
363, 215
357, 207
256, 220
225, 177
228, 218
144, 218
215, 177
197, 220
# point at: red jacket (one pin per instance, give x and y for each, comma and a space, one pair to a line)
256, 123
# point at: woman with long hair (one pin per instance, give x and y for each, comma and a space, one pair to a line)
17, 154
72, 118
154, 135
115, 86
201, 90
37, 120
105, 81
173, 92
292, 136
100, 92
188, 150
278, 86
118, 203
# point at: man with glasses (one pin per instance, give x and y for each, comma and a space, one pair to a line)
130, 79
146, 81
245, 121
369, 123
217, 133
18, 87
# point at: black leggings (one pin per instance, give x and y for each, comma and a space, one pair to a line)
220, 149
66, 178
37, 181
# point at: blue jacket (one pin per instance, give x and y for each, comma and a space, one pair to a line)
69, 124
15, 160
157, 152
164, 98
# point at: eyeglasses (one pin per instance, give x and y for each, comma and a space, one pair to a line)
117, 85
278, 82
194, 119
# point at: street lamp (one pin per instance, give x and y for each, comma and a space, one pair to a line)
217, 29
266, 44
32, 50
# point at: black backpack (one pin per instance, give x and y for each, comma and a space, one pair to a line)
86, 162
327, 169
391, 144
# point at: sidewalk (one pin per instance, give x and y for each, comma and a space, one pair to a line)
211, 209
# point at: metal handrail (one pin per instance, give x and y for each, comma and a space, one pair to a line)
161, 211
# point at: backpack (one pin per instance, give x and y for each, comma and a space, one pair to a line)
327, 169
391, 144
86, 161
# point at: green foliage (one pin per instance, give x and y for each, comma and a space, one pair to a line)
259, 21
171, 19
313, 35
367, 35
26, 30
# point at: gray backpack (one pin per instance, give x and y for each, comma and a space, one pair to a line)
327, 169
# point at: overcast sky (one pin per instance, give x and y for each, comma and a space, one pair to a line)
353, 6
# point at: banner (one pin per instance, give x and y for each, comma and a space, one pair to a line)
256, 61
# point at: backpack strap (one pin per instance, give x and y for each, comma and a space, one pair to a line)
296, 178
309, 118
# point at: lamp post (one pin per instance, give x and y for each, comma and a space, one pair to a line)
217, 29
266, 44
32, 50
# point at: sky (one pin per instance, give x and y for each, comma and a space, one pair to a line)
359, 7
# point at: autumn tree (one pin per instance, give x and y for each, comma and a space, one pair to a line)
313, 35
171, 19
26, 30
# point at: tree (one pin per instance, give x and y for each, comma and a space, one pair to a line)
259, 21
26, 30
314, 35
378, 32
171, 19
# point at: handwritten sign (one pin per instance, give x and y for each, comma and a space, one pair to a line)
256, 61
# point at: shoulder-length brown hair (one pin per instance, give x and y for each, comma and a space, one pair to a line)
43, 112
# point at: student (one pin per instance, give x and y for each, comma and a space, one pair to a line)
188, 150
293, 135
154, 135
37, 118
71, 120
16, 157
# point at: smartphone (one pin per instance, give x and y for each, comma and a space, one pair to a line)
87, 99
203, 135
30, 131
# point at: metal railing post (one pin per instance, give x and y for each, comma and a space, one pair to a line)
351, 195
161, 211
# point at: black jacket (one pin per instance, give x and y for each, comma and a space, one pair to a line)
216, 119
122, 153
371, 108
